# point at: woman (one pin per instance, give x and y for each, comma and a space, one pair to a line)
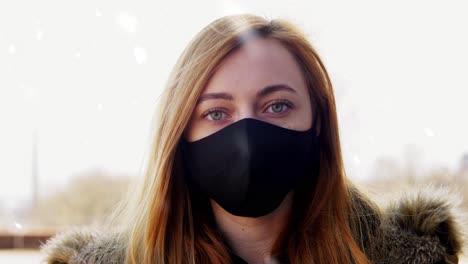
246, 167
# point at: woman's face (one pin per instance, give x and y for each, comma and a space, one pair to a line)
261, 80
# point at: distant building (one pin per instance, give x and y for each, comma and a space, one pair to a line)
464, 162
463, 169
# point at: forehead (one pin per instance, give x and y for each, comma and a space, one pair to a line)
256, 64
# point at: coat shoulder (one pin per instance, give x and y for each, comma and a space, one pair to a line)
422, 225
84, 245
419, 226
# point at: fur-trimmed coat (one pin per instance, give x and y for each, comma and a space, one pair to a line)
420, 227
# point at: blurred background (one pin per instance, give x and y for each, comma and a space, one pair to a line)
80, 81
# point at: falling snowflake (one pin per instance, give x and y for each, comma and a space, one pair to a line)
429, 132
39, 34
18, 226
356, 160
140, 54
127, 22
12, 49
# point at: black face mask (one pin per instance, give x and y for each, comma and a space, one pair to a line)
248, 167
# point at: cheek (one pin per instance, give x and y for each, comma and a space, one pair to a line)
197, 130
302, 120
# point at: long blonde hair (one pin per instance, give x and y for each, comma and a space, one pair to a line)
169, 226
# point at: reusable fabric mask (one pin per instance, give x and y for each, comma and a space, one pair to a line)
249, 166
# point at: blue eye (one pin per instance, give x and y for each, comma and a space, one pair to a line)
214, 114
279, 107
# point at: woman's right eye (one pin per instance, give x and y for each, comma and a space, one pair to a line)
214, 115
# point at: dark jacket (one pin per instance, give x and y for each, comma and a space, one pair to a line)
420, 227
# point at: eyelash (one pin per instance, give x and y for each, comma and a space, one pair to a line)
217, 109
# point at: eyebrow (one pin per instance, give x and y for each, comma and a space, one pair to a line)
262, 93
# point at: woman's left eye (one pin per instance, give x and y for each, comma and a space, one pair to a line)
278, 107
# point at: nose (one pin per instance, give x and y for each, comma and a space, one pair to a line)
246, 112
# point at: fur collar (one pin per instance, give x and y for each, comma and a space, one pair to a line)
419, 227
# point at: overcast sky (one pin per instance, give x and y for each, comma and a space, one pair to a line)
86, 75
